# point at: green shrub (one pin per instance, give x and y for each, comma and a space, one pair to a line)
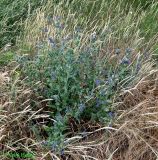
79, 83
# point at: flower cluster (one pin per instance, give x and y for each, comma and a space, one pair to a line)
80, 84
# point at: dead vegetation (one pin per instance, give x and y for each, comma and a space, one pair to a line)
134, 135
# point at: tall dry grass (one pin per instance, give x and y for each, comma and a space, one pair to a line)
133, 134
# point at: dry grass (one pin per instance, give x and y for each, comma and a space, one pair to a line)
16, 116
135, 132
133, 135
3, 78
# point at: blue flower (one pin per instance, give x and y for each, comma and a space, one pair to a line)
53, 76
104, 72
84, 133
146, 55
67, 38
54, 146
59, 117
77, 29
117, 51
102, 93
104, 102
97, 82
44, 142
98, 102
68, 110
59, 26
109, 80
52, 42
125, 60
62, 152
93, 36
49, 20
138, 67
87, 49
128, 50
81, 107
62, 45
57, 18
111, 114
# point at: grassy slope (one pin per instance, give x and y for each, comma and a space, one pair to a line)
117, 25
